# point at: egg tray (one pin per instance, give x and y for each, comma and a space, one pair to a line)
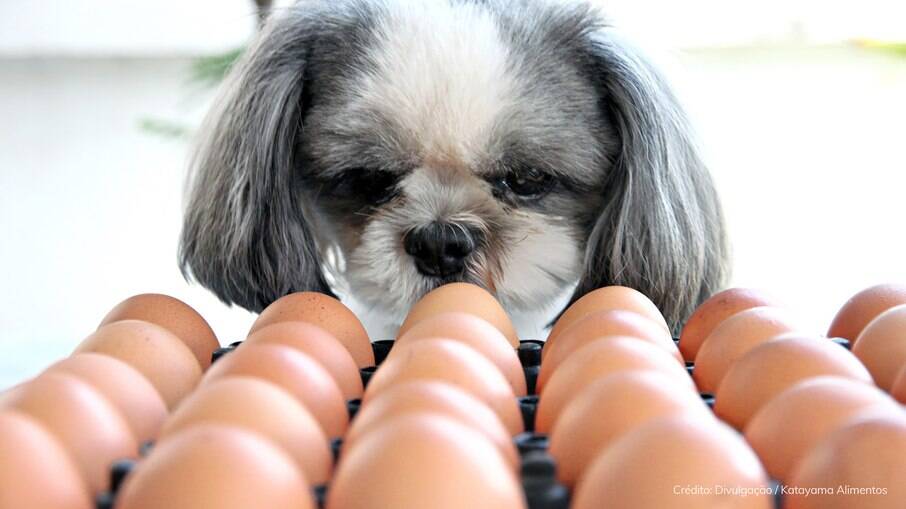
538, 471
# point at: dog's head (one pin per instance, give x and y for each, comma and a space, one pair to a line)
402, 144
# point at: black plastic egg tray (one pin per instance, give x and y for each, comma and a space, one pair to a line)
538, 469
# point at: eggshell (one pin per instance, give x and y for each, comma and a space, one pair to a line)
715, 310
127, 389
87, 425
434, 397
152, 350
424, 460
770, 368
172, 314
216, 466
595, 360
260, 406
788, 426
463, 298
321, 346
449, 361
325, 312
295, 372
735, 336
864, 307
864, 454
609, 408
612, 322
36, 472
882, 346
898, 391
662, 463
472, 331
603, 299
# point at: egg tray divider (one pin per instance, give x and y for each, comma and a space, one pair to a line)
538, 470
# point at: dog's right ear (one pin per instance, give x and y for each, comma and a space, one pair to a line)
247, 235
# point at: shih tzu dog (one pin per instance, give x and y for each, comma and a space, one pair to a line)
385, 147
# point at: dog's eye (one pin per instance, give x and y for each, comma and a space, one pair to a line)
528, 183
372, 186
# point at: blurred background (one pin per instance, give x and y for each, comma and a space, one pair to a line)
800, 106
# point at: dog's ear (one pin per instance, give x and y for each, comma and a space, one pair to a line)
247, 235
660, 228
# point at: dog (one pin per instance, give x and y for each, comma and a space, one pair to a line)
386, 147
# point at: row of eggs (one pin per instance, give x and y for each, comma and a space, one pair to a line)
438, 414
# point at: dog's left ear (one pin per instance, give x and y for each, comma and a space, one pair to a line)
660, 228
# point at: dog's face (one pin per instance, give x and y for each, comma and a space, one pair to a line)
511, 144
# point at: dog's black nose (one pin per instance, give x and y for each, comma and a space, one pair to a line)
440, 249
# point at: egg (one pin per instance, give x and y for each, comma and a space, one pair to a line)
293, 371
462, 298
715, 310
864, 307
599, 358
788, 426
123, 386
216, 466
152, 350
602, 299
172, 314
87, 425
424, 460
898, 390
320, 346
435, 397
260, 406
682, 462
865, 458
607, 409
610, 323
882, 346
733, 338
36, 472
455, 363
325, 312
769, 368
472, 331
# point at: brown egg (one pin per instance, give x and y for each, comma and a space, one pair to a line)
475, 332
172, 314
424, 460
603, 299
735, 336
260, 406
36, 472
898, 391
788, 426
882, 346
87, 425
152, 350
609, 323
434, 397
863, 307
609, 408
216, 466
321, 346
461, 298
769, 368
683, 462
295, 372
450, 361
715, 310
129, 391
325, 312
599, 358
867, 456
